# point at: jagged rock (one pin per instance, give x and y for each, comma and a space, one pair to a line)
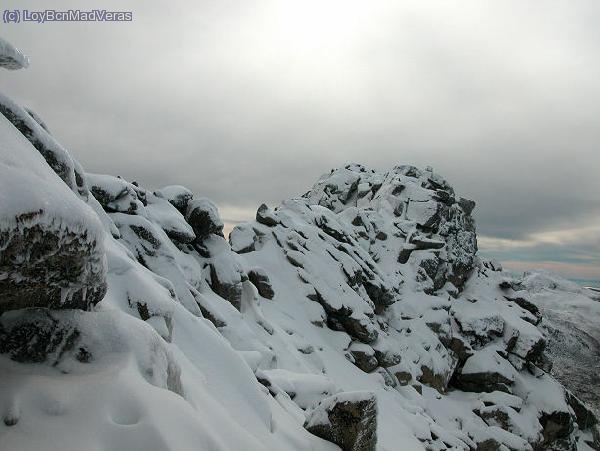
489, 444
260, 279
55, 155
50, 265
36, 336
439, 378
557, 427
359, 328
596, 437
404, 377
347, 419
115, 194
264, 215
179, 196
11, 58
585, 416
486, 371
527, 305
203, 216
51, 243
169, 219
422, 243
364, 356
231, 292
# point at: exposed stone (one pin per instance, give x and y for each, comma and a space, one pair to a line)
179, 196
347, 419
49, 264
36, 336
264, 215
261, 281
229, 291
584, 415
203, 215
557, 427
364, 356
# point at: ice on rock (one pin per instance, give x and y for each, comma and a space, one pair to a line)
10, 57
177, 195
44, 229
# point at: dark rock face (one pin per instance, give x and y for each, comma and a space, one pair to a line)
37, 336
584, 415
557, 428
43, 264
204, 218
483, 382
116, 194
347, 419
54, 154
231, 292
265, 216
438, 380
179, 196
364, 357
260, 279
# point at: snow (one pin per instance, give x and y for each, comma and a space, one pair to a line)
487, 360
11, 57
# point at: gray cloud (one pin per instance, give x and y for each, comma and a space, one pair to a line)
249, 101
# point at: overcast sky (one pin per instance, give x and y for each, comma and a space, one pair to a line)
250, 101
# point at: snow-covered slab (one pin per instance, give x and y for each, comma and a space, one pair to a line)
10, 57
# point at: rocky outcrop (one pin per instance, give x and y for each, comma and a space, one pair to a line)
260, 279
204, 218
51, 243
347, 419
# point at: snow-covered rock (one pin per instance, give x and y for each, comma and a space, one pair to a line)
51, 242
347, 419
10, 57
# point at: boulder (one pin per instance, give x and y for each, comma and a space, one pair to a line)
557, 428
51, 243
265, 216
348, 419
179, 196
50, 265
486, 371
364, 356
37, 336
115, 194
203, 215
261, 281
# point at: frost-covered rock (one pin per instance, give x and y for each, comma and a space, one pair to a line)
177, 195
347, 419
51, 243
260, 279
203, 216
11, 57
